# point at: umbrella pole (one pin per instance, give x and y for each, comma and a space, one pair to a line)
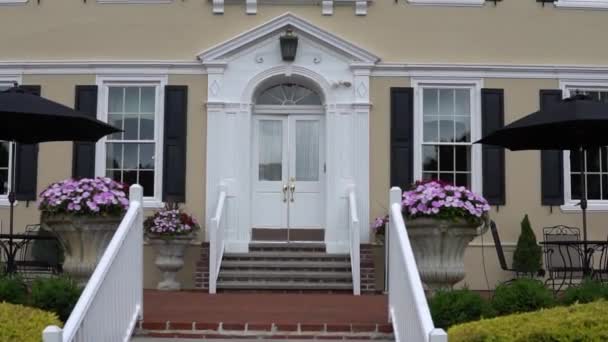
582, 159
10, 262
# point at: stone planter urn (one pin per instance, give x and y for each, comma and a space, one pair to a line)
84, 240
439, 247
170, 259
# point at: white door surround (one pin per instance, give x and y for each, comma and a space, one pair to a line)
238, 70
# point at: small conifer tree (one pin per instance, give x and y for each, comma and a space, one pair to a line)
527, 258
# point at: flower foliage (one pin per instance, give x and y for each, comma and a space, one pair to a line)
98, 197
169, 222
379, 225
444, 201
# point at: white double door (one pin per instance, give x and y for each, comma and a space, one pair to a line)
288, 172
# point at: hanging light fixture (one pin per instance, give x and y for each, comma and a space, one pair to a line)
289, 45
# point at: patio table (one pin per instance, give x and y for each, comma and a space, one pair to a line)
577, 255
12, 243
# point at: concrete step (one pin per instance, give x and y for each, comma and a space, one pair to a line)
291, 246
280, 264
249, 339
285, 274
283, 285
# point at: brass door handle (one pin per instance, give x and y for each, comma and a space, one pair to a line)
292, 188
285, 192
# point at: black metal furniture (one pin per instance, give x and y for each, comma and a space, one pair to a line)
569, 259
499, 252
34, 252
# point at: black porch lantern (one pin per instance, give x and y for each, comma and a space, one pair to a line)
289, 45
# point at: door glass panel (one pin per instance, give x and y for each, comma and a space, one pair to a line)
270, 147
307, 150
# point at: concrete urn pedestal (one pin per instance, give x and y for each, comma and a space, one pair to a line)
439, 247
170, 259
83, 239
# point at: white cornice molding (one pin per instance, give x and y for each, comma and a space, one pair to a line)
457, 3
193, 67
540, 71
101, 67
245, 39
582, 4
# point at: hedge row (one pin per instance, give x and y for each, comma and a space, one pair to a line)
24, 324
579, 322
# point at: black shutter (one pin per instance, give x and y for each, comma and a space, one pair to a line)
551, 162
174, 158
26, 163
83, 153
402, 137
493, 157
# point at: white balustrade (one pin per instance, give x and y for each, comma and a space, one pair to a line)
353, 231
216, 240
408, 309
112, 301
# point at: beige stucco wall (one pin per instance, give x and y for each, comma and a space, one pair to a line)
519, 31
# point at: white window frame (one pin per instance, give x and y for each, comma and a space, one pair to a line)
582, 4
459, 3
571, 205
475, 86
9, 80
103, 83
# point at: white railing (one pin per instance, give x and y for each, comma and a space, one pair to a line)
112, 301
216, 240
353, 231
407, 305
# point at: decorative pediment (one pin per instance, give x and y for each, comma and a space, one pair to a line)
222, 53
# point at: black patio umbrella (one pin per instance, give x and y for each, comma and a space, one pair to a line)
29, 119
577, 123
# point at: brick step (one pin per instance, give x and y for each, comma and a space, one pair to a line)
286, 274
284, 285
156, 331
286, 247
280, 256
279, 264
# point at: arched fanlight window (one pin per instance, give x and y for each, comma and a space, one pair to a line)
289, 94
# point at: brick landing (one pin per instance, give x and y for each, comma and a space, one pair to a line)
193, 314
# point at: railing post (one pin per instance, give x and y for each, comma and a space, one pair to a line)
136, 195
438, 335
52, 333
395, 196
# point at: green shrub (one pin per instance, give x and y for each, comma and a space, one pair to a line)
23, 324
521, 295
527, 257
584, 322
12, 290
458, 306
57, 294
588, 291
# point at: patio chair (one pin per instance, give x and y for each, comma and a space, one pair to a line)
501, 255
38, 258
498, 245
564, 264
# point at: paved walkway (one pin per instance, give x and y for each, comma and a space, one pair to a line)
194, 306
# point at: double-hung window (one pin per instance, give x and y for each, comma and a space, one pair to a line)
134, 155
447, 123
595, 162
